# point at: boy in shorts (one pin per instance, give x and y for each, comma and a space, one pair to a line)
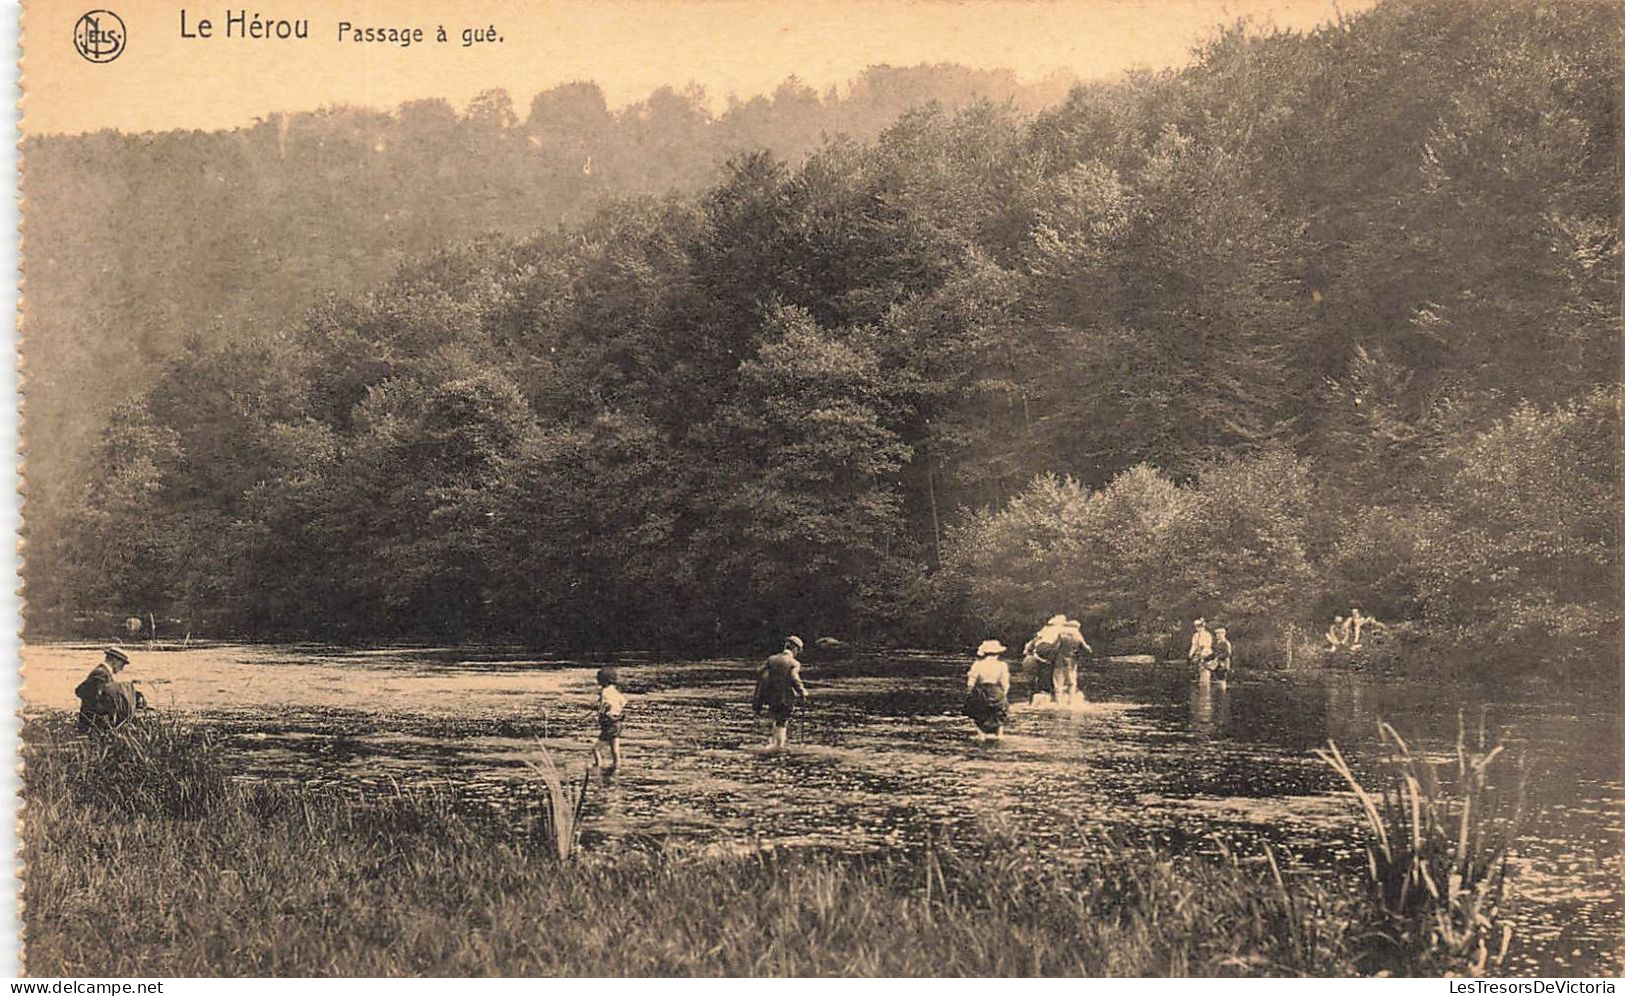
611, 704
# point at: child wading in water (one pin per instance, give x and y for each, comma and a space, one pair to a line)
987, 690
611, 704
779, 688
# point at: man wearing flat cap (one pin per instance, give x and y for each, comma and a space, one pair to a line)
779, 688
104, 701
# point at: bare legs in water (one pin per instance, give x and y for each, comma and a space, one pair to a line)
614, 746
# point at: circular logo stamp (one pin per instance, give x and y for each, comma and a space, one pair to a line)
99, 36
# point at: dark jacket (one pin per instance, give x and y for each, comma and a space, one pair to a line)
105, 701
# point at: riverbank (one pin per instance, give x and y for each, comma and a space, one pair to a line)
146, 858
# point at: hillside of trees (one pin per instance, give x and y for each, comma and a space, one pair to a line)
1321, 320
134, 242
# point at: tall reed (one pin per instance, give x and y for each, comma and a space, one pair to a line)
557, 824
1436, 858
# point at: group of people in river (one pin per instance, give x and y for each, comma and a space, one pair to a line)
1050, 659
1347, 633
1211, 652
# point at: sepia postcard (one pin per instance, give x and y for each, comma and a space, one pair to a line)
898, 488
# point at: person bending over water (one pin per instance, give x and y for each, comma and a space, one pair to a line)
778, 689
987, 687
611, 707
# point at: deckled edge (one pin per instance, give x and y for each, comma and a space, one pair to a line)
14, 954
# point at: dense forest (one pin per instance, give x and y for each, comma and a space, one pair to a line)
1321, 320
133, 242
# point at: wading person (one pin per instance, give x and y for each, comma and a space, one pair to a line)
104, 701
611, 707
1223, 654
987, 691
1069, 642
778, 689
1039, 657
1201, 651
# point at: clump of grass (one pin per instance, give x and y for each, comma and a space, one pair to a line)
1438, 850
556, 824
151, 766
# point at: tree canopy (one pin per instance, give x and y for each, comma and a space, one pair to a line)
1322, 318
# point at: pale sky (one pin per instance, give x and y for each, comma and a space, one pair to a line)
629, 47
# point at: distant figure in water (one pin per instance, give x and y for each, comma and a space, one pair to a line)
104, 701
1356, 627
1201, 651
1223, 654
987, 687
1068, 642
1337, 635
611, 707
779, 688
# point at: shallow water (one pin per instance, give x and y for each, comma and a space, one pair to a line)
881, 757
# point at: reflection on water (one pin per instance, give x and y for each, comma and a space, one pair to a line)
881, 756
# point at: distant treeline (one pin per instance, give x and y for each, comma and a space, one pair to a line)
132, 242
1322, 320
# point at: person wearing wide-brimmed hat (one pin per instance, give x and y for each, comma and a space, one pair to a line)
779, 688
104, 701
987, 690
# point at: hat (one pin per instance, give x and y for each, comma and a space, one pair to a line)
609, 676
794, 641
117, 655
990, 647
1056, 621
1199, 621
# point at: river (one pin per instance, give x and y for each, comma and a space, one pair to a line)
881, 757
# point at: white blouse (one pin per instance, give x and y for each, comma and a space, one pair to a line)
991, 670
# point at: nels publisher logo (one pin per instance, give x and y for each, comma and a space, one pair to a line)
99, 36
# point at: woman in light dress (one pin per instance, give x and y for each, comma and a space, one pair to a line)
987, 691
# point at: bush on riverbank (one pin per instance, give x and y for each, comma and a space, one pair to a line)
1512, 570
261, 880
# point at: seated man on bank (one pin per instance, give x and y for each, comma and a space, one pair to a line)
104, 701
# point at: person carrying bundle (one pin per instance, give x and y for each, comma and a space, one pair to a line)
1040, 655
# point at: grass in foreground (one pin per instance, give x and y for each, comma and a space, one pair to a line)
177, 870
1436, 861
